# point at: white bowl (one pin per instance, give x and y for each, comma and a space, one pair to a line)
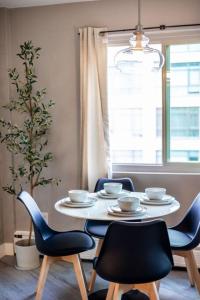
112, 187
78, 195
156, 193
129, 203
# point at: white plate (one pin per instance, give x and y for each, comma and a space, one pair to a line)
67, 202
103, 194
167, 199
117, 209
123, 192
119, 213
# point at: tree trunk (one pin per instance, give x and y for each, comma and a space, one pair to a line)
31, 224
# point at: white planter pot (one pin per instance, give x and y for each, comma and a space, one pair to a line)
27, 257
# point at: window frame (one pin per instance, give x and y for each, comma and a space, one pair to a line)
166, 167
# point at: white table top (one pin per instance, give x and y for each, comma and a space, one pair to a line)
99, 211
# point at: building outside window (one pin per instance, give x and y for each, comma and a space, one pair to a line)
183, 102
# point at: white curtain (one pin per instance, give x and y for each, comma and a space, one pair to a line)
94, 107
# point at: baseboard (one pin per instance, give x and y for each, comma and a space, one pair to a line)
6, 249
2, 251
180, 262
9, 249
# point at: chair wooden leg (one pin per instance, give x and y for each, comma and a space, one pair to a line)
188, 267
74, 259
193, 269
149, 289
94, 274
110, 291
118, 292
193, 273
47, 260
86, 284
157, 285
153, 292
120, 289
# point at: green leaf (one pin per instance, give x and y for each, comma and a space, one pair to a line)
29, 138
9, 190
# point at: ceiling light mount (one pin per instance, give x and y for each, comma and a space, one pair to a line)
139, 54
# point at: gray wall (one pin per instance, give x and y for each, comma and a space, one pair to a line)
6, 202
54, 28
2, 84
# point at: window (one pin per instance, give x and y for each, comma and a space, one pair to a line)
184, 156
138, 108
132, 109
194, 80
183, 103
127, 156
184, 122
130, 122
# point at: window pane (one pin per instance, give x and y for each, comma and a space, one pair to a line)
183, 103
184, 121
134, 100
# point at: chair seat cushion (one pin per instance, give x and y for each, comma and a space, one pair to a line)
179, 240
67, 243
131, 295
97, 229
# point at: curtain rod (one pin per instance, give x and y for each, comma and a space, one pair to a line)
161, 27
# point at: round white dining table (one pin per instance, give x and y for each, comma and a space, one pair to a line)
99, 211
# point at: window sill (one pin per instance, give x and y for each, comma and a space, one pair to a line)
170, 169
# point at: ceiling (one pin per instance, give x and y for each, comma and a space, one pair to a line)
26, 3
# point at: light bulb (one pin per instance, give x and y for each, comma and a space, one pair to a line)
129, 59
139, 54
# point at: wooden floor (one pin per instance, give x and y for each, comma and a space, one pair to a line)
61, 283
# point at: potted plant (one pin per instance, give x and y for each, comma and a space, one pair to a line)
27, 140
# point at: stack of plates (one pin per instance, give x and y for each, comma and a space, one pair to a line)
90, 202
116, 211
103, 194
167, 199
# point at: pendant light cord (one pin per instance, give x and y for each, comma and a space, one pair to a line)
139, 13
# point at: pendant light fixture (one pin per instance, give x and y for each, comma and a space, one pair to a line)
139, 55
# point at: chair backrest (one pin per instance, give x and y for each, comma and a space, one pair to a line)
135, 252
190, 223
42, 230
127, 183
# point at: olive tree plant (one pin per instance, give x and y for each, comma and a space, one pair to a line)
27, 140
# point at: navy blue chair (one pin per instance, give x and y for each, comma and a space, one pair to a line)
133, 256
98, 228
56, 245
184, 237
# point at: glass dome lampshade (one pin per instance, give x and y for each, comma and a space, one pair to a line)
139, 54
